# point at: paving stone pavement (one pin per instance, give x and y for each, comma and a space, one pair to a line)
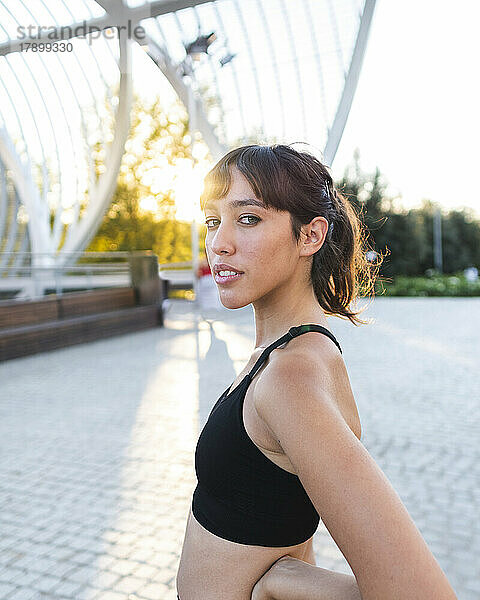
97, 444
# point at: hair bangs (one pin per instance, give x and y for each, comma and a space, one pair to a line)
261, 168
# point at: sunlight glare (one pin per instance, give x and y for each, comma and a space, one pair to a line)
188, 186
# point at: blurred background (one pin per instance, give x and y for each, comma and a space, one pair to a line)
111, 114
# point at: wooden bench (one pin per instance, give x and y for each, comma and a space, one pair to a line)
29, 327
14, 313
76, 304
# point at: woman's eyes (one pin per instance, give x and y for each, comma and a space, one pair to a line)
256, 220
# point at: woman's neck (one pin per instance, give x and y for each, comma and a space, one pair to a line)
269, 330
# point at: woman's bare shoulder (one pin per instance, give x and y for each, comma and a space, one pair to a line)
316, 356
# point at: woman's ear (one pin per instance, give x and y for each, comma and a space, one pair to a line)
314, 234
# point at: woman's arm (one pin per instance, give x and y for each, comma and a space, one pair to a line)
354, 498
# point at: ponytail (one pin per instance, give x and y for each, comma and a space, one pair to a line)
340, 271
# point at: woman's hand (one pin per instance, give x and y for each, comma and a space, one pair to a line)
292, 579
261, 590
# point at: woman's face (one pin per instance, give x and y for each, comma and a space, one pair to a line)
252, 239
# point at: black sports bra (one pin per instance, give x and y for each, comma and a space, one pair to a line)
241, 495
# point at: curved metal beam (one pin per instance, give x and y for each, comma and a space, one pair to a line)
234, 71
100, 199
161, 58
57, 220
252, 59
218, 96
274, 64
3, 201
318, 61
135, 14
89, 158
39, 242
27, 192
291, 39
12, 234
336, 34
20, 256
351, 81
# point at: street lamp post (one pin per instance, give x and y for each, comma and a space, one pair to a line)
192, 125
437, 240
194, 52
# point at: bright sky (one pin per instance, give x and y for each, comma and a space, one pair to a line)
416, 110
415, 114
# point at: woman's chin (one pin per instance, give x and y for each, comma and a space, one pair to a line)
233, 302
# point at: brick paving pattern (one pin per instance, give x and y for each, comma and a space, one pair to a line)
97, 443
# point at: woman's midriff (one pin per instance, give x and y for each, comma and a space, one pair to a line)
212, 568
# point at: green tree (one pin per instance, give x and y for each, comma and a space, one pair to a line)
407, 235
157, 141
460, 241
367, 193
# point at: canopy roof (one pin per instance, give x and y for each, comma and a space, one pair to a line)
247, 71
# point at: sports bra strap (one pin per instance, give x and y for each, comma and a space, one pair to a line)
292, 332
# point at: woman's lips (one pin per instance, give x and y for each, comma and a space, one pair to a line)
227, 279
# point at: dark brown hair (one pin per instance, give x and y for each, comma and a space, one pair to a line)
288, 180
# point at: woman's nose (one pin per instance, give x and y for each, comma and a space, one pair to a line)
222, 240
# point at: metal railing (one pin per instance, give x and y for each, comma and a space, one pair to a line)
35, 274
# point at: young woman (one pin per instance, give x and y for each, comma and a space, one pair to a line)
281, 447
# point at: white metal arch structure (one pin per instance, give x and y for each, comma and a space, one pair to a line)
276, 71
293, 75
62, 113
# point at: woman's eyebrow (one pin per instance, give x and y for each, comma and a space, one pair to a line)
238, 203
